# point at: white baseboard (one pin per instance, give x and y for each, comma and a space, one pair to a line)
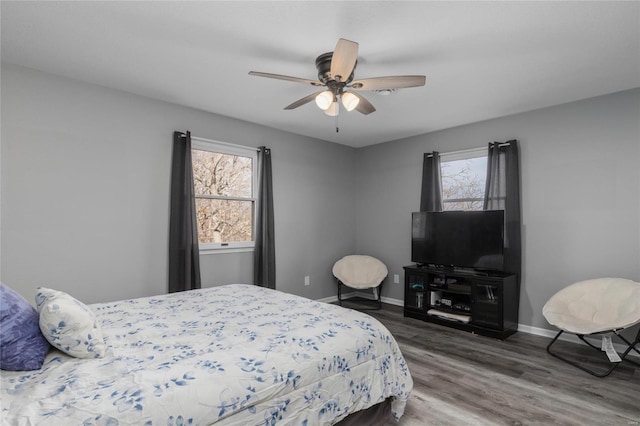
536, 331
391, 301
546, 333
331, 299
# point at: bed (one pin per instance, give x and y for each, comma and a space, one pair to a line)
230, 355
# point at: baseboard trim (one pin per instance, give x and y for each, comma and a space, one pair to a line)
536, 331
331, 299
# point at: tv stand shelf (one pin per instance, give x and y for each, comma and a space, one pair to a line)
479, 302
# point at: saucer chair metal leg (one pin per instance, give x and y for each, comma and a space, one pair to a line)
631, 346
379, 292
377, 300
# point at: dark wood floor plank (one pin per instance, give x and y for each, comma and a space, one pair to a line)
465, 379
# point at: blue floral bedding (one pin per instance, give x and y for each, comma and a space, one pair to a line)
230, 355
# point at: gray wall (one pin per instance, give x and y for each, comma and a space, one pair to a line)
580, 193
85, 193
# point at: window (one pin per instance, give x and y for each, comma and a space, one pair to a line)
224, 181
464, 175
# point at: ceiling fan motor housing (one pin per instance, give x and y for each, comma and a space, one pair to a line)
323, 65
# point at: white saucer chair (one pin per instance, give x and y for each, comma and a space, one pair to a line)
361, 272
596, 307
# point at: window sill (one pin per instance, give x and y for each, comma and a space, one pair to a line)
224, 250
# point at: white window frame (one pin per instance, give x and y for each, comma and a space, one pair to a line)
202, 144
465, 154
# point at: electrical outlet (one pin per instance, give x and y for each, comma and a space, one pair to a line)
306, 280
396, 279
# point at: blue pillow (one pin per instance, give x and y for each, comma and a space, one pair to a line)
22, 345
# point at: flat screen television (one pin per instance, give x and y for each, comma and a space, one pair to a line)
462, 239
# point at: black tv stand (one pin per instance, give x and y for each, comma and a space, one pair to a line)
485, 273
443, 268
481, 302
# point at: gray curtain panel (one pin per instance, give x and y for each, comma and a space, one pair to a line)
264, 265
502, 192
184, 261
431, 197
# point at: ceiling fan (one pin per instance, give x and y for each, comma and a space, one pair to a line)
335, 73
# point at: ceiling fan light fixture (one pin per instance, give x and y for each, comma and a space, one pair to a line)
350, 101
333, 109
324, 100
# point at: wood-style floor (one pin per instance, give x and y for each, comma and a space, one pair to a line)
465, 379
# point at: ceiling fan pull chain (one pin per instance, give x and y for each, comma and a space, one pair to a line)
337, 115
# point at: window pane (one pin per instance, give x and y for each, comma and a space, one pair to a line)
463, 205
221, 174
463, 183
224, 221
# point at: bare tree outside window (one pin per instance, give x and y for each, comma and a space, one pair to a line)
463, 183
223, 189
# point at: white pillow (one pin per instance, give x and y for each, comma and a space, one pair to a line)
69, 324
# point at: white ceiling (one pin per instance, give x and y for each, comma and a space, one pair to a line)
482, 59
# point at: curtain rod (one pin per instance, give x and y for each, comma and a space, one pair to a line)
461, 151
232, 145
470, 149
502, 144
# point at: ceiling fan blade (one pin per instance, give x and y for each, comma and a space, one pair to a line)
286, 77
344, 59
303, 101
364, 106
393, 82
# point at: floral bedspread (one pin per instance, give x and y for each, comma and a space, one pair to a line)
230, 355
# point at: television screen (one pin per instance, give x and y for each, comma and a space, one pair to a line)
464, 239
